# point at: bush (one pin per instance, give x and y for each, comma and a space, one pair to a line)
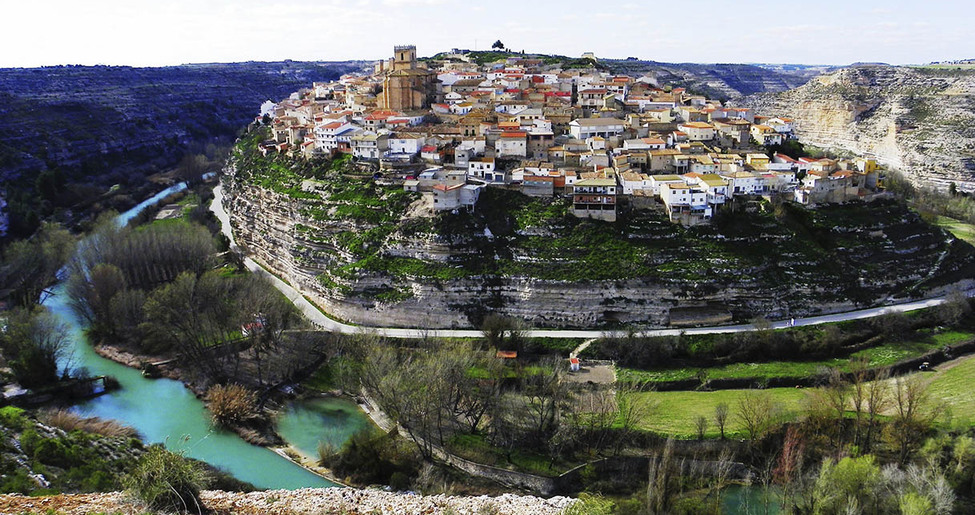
372, 458
230, 404
29, 440
13, 418
167, 481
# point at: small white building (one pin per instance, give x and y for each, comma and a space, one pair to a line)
453, 196
585, 128
686, 204
480, 167
405, 144
644, 144
697, 131
512, 144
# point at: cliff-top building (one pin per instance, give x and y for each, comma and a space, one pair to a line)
407, 87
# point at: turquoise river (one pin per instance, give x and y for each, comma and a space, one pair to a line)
164, 411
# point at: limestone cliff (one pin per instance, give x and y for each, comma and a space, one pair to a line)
918, 120
377, 255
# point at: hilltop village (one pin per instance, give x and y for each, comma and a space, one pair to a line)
449, 127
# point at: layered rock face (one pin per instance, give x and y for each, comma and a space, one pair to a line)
917, 120
380, 266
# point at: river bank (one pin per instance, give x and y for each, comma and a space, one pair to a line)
270, 439
164, 410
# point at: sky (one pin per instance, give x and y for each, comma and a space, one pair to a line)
170, 32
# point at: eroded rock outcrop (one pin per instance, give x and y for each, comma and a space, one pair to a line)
918, 120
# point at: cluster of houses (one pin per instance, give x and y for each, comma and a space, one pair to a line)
450, 128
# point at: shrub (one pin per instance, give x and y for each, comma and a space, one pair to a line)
230, 404
68, 422
167, 481
13, 418
29, 441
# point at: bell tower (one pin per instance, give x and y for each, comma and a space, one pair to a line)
404, 57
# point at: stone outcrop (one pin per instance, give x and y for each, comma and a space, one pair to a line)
917, 120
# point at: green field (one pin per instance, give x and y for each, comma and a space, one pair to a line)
882, 355
675, 413
954, 387
961, 230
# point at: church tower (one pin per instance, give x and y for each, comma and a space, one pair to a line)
406, 86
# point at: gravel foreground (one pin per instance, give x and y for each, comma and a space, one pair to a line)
345, 501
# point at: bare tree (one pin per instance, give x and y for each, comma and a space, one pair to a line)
33, 343
701, 424
913, 415
721, 417
663, 484
634, 409
878, 400
860, 375
757, 412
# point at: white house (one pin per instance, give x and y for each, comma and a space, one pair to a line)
326, 135
746, 183
781, 125
447, 197
644, 144
479, 167
408, 144
634, 181
697, 131
585, 128
766, 135
268, 108
686, 204
368, 145
512, 144
656, 181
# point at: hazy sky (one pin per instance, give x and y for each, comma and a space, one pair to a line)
164, 32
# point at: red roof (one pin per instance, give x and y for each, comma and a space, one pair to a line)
512, 134
428, 148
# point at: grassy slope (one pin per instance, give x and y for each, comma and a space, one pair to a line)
961, 230
675, 413
953, 385
882, 355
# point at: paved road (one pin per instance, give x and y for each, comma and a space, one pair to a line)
319, 319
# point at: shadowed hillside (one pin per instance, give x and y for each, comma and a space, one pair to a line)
91, 127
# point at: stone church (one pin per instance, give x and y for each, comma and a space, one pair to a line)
407, 87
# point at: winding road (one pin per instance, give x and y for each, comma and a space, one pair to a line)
321, 320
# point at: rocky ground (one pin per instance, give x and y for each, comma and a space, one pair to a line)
307, 501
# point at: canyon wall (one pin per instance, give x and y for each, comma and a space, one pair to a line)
434, 278
920, 121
